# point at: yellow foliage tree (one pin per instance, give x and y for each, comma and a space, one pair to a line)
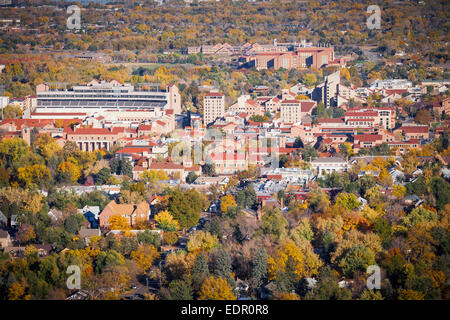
46, 146
166, 222
69, 169
17, 292
399, 191
216, 289
118, 223
33, 175
226, 202
202, 241
276, 262
144, 256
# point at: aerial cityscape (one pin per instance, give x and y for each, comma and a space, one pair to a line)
224, 150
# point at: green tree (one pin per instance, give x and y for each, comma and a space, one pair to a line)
247, 198
102, 176
126, 168
357, 258
185, 207
181, 290
327, 287
191, 177
273, 223
259, 267
200, 270
222, 266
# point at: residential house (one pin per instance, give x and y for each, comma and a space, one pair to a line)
133, 213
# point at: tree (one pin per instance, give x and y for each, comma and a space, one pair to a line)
126, 168
106, 259
118, 222
209, 169
180, 290
46, 146
405, 294
186, 207
277, 262
226, 202
201, 241
418, 215
17, 292
165, 221
200, 270
144, 256
102, 176
371, 295
114, 164
191, 177
222, 266
298, 143
153, 176
148, 237
327, 287
309, 153
357, 258
33, 175
73, 223
440, 189
216, 289
26, 233
309, 79
12, 149
346, 150
423, 116
247, 198
259, 267
318, 200
273, 223
347, 201
283, 159
68, 171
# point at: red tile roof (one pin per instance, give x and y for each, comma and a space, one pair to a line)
368, 137
415, 129
214, 94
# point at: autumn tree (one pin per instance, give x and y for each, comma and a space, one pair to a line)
277, 262
144, 256
46, 146
166, 222
68, 171
226, 202
201, 241
34, 175
118, 222
214, 288
347, 200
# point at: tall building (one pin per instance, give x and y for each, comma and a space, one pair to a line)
331, 89
213, 107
